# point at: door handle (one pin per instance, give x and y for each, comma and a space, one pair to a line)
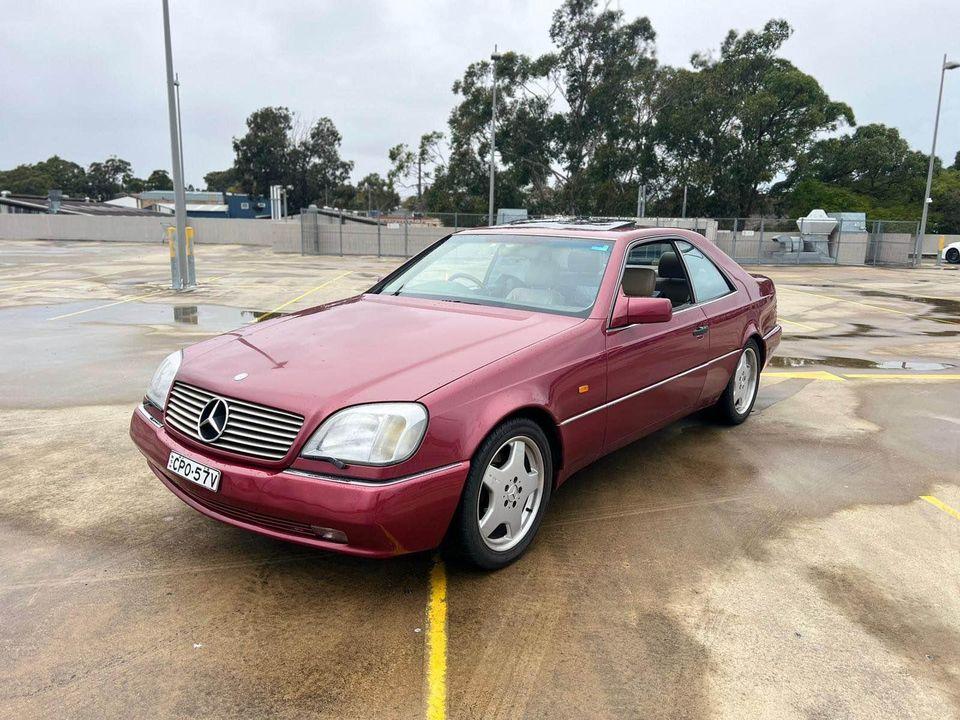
701, 331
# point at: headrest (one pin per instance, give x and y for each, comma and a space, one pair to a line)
639, 281
541, 274
670, 267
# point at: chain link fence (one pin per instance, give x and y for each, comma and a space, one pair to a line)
749, 241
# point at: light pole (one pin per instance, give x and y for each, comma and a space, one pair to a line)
181, 276
493, 133
933, 153
176, 82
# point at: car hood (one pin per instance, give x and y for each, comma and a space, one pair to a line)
366, 349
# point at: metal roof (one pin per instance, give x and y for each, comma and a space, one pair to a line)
70, 206
197, 196
197, 207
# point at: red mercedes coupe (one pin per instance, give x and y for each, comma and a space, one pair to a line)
451, 399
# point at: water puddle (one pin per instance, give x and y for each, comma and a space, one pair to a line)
782, 361
945, 309
82, 353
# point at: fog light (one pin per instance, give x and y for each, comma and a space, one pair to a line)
329, 534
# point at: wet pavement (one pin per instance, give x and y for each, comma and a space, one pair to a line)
787, 568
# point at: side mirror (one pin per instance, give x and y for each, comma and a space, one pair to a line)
636, 310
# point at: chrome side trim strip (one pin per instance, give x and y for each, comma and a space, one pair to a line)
772, 331
648, 388
148, 416
372, 483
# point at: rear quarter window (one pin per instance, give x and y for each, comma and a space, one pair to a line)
707, 280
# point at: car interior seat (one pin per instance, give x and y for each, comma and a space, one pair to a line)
672, 281
539, 287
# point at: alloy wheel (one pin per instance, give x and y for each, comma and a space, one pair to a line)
510, 494
745, 380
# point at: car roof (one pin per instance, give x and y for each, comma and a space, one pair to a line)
621, 229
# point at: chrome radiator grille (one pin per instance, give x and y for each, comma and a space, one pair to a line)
250, 429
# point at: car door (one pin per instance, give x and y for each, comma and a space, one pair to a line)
654, 372
725, 310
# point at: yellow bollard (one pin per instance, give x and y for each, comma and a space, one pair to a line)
189, 240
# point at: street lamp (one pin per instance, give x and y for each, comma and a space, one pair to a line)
933, 152
493, 133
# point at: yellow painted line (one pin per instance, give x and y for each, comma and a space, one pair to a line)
101, 307
437, 644
795, 323
229, 274
64, 280
902, 376
300, 297
942, 505
801, 375
852, 302
31, 274
30, 284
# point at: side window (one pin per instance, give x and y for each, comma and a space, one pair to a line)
708, 282
654, 270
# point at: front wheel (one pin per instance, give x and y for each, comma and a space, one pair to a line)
505, 496
735, 404
953, 255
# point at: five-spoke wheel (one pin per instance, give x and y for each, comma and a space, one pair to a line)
505, 496
735, 404
510, 495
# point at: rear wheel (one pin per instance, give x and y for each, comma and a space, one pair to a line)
505, 496
735, 404
953, 255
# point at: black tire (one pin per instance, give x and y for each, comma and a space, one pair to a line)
953, 255
726, 409
465, 535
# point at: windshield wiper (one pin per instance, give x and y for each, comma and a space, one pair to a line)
465, 302
397, 291
337, 463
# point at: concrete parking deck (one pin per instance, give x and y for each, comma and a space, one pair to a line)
803, 565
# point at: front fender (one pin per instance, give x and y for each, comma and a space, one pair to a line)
553, 380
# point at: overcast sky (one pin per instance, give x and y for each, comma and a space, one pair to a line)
85, 80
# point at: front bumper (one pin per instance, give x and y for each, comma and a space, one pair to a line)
379, 519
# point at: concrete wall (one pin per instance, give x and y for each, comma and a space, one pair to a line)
931, 243
360, 239
120, 228
356, 239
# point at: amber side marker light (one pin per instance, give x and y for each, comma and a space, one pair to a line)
584, 388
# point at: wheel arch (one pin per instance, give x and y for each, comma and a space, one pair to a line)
751, 332
761, 346
543, 418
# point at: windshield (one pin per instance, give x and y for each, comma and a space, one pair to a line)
549, 274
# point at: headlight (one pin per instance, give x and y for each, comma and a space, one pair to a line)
163, 379
374, 434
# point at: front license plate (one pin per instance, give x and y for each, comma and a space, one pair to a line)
194, 472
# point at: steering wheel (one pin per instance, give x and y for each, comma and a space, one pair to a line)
466, 276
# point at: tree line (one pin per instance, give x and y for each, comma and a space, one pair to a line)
99, 181
739, 132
